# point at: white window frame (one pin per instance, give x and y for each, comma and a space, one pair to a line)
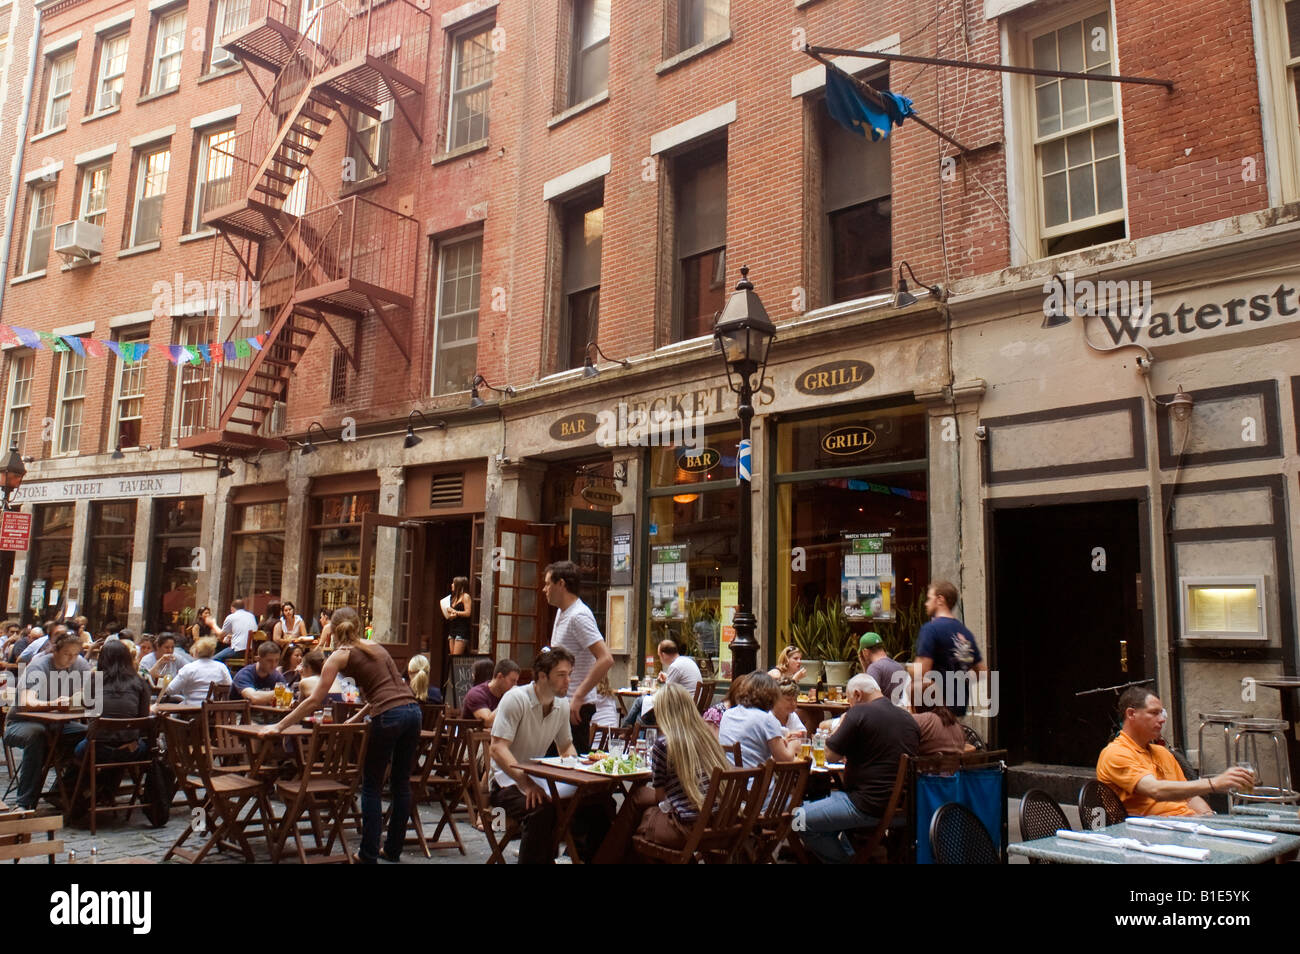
381, 131
112, 79
189, 333
119, 396
1277, 76
443, 249
171, 26
45, 192
88, 212
580, 52
456, 93
1025, 166
204, 168
683, 7
70, 364
21, 360
142, 181
62, 69
231, 15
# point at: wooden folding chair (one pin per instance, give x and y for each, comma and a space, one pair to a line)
226, 794
432, 714
218, 692
704, 694
134, 766
726, 818
789, 780
497, 827
426, 757
17, 829
733, 750
602, 735
868, 840
331, 776
446, 782
229, 752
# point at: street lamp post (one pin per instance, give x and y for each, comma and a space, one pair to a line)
744, 334
12, 475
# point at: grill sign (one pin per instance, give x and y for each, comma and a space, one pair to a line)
698, 462
834, 377
846, 441
574, 427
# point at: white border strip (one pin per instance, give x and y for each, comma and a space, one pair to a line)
61, 44
90, 155
48, 171
132, 318
693, 128
81, 328
116, 21
466, 10
216, 116
145, 138
587, 172
814, 78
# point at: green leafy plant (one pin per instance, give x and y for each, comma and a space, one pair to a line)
808, 629
841, 642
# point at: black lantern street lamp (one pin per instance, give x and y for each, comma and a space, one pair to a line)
744, 334
14, 472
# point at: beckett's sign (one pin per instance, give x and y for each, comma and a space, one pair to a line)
99, 488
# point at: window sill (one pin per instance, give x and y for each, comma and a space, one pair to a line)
685, 56
218, 73
578, 109
139, 249
197, 236
29, 277
459, 152
364, 185
101, 114
47, 134
80, 263
801, 4
158, 95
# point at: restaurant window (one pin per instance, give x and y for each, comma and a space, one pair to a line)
584, 225
700, 235
215, 167
128, 405
72, 399
699, 21
150, 191
40, 224
851, 503
169, 45
857, 204
471, 84
48, 559
192, 380
108, 581
456, 349
19, 399
336, 549
94, 194
58, 90
111, 72
693, 564
178, 523
590, 75
1076, 141
257, 544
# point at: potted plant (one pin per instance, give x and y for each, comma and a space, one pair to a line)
808, 635
841, 644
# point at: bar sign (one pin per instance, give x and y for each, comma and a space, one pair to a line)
15, 531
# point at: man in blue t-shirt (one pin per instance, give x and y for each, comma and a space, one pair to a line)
256, 682
945, 645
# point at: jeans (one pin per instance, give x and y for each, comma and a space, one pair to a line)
227, 653
582, 731
394, 736
32, 738
826, 821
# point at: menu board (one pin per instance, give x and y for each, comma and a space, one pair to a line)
669, 580
620, 570
867, 576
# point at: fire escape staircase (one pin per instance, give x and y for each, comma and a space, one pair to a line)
319, 262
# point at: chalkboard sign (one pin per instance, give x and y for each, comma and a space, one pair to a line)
462, 677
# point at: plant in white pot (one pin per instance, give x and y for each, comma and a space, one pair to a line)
808, 635
841, 644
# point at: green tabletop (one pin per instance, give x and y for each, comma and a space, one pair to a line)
1223, 851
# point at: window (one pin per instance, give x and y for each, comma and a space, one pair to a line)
856, 203
128, 408
94, 195
699, 21
112, 72
368, 148
215, 167
59, 88
584, 225
19, 399
1281, 28
169, 43
700, 227
1076, 138
178, 522
40, 222
590, 50
457, 333
339, 376
150, 190
192, 381
72, 397
336, 547
471, 81
231, 15
257, 543
108, 573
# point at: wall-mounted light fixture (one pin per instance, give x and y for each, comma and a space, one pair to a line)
411, 440
589, 370
479, 381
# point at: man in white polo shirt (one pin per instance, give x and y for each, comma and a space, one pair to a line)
529, 720
575, 629
239, 625
677, 670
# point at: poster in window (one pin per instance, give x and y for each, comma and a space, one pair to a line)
866, 576
668, 582
621, 531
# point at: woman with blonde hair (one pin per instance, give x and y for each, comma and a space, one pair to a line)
192, 683
788, 665
394, 729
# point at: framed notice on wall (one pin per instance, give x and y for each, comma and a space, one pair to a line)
620, 570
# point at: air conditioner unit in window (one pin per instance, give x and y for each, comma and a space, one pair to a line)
112, 99
277, 417
78, 240
221, 57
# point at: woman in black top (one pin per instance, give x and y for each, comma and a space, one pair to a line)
125, 695
462, 607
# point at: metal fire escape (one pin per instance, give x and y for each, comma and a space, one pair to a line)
319, 262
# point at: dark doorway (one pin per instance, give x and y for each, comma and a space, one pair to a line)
1064, 625
449, 552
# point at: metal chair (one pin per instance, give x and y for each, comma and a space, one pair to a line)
958, 837
1098, 802
973, 738
1040, 816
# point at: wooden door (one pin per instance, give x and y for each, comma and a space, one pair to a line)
521, 618
389, 592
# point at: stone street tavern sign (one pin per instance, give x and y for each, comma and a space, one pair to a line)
99, 488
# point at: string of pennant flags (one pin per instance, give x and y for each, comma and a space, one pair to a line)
130, 352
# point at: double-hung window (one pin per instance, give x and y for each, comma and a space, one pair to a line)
471, 83
150, 191
369, 146
215, 167
128, 407
699, 21
59, 90
584, 226
112, 72
94, 194
590, 50
456, 356
192, 380
169, 44
40, 223
231, 15
72, 398
19, 399
700, 227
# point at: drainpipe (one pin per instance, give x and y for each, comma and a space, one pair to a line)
15, 168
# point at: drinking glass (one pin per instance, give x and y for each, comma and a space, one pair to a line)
617, 748
819, 749
805, 748
1249, 789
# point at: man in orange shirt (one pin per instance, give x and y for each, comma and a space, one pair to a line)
1146, 776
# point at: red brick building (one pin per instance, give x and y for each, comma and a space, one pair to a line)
427, 194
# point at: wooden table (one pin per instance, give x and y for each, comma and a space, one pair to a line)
1223, 851
589, 785
813, 713
176, 708
624, 697
54, 722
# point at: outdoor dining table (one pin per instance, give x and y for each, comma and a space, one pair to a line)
176, 708
1283, 818
813, 713
1223, 851
53, 721
589, 785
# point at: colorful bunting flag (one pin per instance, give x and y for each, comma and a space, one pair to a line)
74, 343
217, 352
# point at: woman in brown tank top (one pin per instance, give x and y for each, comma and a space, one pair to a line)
394, 718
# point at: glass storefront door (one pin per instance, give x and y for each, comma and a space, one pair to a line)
108, 583
171, 603
50, 554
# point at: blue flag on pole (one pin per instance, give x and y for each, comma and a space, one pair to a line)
742, 461
852, 110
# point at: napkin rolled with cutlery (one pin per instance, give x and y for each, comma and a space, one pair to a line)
1132, 844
